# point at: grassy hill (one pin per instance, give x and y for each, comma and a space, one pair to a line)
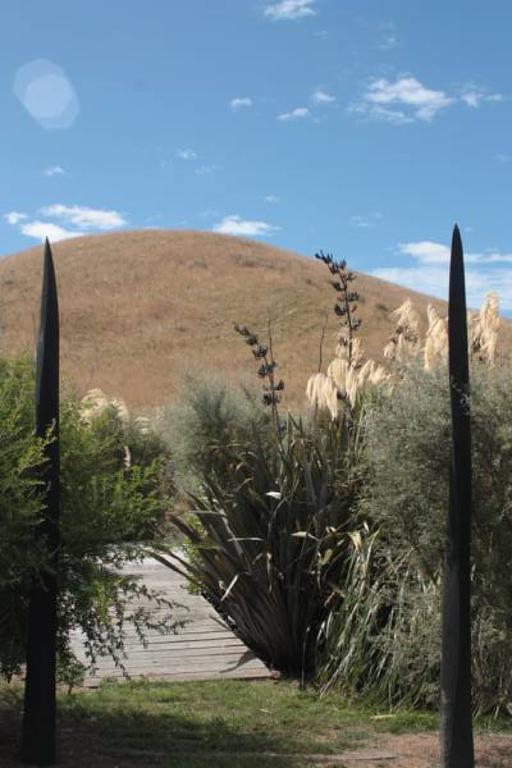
139, 309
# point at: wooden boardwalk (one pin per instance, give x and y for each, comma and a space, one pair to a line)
204, 649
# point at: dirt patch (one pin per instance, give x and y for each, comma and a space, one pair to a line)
404, 751
421, 750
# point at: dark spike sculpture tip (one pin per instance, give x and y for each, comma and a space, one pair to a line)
38, 729
457, 749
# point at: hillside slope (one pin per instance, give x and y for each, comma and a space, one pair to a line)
138, 309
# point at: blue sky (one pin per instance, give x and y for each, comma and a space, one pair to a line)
363, 127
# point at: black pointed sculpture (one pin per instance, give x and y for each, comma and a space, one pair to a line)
456, 723
38, 737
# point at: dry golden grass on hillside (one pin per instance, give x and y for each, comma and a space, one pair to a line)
139, 309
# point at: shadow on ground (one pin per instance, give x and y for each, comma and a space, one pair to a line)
133, 739
232, 724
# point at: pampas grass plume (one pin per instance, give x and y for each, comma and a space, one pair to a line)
96, 401
436, 340
322, 393
484, 330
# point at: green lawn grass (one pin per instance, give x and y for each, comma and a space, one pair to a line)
214, 724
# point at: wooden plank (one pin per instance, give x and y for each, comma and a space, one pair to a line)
215, 665
187, 642
95, 682
184, 635
205, 648
189, 648
204, 670
171, 657
167, 669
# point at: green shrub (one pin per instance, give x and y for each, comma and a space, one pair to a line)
20, 506
208, 416
408, 444
20, 457
113, 499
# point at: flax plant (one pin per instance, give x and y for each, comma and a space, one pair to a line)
265, 542
268, 548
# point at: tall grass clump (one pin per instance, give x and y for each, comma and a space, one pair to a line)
384, 638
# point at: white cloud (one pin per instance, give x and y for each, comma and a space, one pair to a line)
240, 102
495, 97
54, 170
186, 154
496, 258
426, 251
81, 218
430, 252
434, 282
235, 225
14, 217
389, 42
206, 170
299, 113
366, 221
429, 280
322, 97
378, 112
40, 230
408, 95
485, 271
473, 96
271, 199
87, 218
388, 36
290, 9
405, 100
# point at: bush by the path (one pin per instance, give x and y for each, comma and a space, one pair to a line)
408, 444
114, 496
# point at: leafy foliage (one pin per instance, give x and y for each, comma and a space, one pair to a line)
115, 492
407, 446
20, 507
267, 547
382, 639
208, 417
